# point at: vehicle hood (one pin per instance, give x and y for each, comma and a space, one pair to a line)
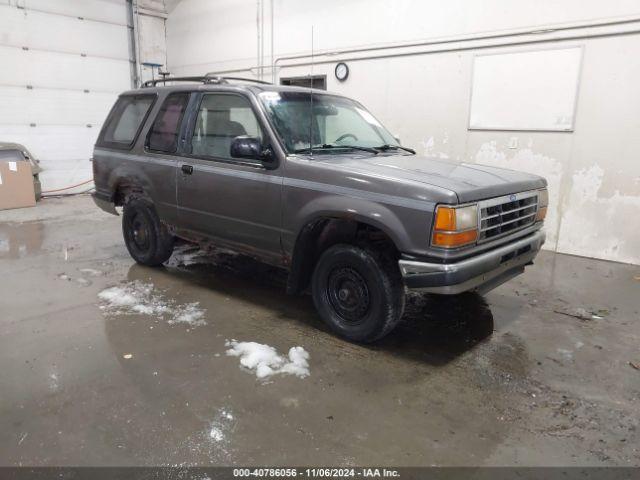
470, 182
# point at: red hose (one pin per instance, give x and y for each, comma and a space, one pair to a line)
68, 188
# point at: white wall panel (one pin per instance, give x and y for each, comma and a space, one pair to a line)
99, 10
54, 144
61, 70
43, 31
69, 90
63, 151
21, 106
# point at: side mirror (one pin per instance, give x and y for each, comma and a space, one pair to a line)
248, 147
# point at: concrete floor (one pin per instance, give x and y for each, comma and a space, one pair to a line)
552, 385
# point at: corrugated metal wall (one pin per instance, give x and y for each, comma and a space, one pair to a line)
63, 64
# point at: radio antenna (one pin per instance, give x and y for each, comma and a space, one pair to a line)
311, 99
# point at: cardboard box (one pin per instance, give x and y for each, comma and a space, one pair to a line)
16, 185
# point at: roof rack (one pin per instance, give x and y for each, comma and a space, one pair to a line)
206, 79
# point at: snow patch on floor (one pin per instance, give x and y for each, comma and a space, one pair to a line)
221, 426
216, 434
264, 360
213, 440
143, 299
190, 314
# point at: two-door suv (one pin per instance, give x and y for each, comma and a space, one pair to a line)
313, 183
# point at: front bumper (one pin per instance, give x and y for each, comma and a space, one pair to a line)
481, 272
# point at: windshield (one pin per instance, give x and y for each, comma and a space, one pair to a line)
328, 120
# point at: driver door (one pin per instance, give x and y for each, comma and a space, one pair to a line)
236, 201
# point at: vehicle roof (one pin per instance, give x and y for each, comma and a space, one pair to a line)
235, 86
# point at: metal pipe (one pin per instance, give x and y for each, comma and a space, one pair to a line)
262, 35
273, 71
449, 41
136, 33
474, 37
464, 48
133, 57
258, 34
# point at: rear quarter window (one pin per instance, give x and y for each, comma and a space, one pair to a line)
126, 120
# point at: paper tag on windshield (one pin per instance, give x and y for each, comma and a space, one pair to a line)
13, 166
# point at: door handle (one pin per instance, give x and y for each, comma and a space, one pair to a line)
188, 169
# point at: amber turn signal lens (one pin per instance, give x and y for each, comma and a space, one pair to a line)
455, 226
542, 213
454, 239
445, 218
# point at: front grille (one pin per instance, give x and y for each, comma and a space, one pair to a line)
503, 215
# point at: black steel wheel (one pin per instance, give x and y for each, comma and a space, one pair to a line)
348, 294
140, 229
146, 238
358, 292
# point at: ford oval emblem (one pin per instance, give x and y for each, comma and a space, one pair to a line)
512, 197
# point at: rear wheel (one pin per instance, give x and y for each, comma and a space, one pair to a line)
146, 238
358, 292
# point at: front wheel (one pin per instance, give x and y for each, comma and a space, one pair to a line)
146, 238
358, 292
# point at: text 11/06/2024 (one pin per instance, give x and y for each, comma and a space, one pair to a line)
315, 473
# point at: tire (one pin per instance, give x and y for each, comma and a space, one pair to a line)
358, 292
146, 238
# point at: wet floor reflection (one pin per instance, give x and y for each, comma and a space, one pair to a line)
435, 328
227, 264
20, 239
438, 328
179, 375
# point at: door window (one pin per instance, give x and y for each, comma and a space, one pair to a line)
163, 134
221, 118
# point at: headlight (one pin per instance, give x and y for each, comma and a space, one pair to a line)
455, 226
543, 203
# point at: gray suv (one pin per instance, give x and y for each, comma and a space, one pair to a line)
313, 183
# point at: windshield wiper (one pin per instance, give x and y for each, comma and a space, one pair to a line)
386, 147
327, 146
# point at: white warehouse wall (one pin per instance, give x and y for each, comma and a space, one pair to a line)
422, 93
63, 64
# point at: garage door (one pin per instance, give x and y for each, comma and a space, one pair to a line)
63, 63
